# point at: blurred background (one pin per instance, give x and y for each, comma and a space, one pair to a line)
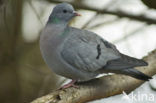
129, 24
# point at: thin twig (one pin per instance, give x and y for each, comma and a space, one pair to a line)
134, 32
35, 11
95, 16
89, 21
103, 23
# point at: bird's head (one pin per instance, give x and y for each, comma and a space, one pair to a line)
63, 12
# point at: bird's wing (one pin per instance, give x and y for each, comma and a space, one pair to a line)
124, 62
87, 51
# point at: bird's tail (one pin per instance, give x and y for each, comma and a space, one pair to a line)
136, 74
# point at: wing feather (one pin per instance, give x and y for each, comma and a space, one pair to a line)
80, 50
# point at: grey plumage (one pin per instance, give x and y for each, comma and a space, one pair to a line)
80, 54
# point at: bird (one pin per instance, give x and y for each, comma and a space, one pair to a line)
79, 54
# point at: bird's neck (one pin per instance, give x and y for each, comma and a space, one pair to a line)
57, 30
56, 21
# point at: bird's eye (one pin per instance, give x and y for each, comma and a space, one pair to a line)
64, 11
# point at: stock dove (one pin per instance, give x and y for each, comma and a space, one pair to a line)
79, 54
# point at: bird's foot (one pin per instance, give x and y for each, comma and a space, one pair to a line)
70, 84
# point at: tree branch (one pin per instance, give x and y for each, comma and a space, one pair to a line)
100, 88
141, 18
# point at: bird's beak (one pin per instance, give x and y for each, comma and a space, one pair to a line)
76, 14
